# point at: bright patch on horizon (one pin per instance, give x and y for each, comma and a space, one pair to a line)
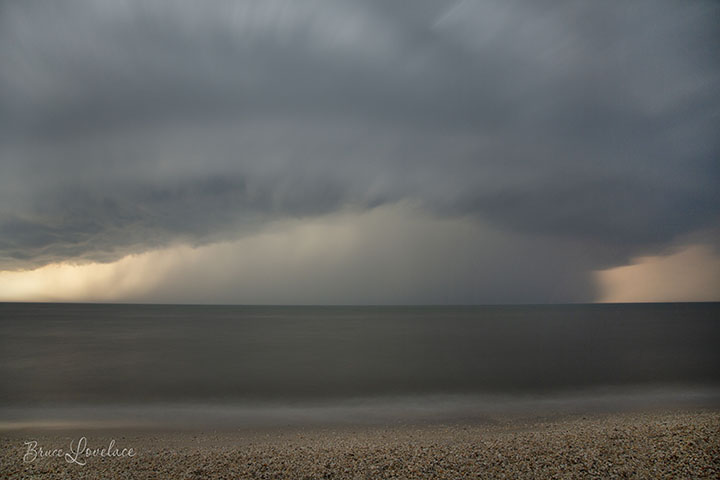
689, 275
134, 277
83, 282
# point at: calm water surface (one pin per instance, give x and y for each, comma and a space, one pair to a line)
65, 356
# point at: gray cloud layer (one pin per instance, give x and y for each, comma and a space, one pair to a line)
130, 125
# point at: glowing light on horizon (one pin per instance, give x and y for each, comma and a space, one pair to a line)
138, 277
82, 282
689, 275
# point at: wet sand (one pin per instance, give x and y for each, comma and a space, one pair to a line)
659, 444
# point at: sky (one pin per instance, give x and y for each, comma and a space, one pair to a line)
362, 152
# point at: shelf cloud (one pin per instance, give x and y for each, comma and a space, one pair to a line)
541, 141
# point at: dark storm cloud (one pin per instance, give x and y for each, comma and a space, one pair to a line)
129, 125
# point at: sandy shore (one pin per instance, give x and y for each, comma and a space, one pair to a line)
632, 445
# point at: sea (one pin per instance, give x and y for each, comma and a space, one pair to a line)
205, 366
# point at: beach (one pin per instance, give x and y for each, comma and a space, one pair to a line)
650, 444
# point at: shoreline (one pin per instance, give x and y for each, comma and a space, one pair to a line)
649, 444
422, 409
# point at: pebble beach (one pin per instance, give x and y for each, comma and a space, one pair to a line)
667, 444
